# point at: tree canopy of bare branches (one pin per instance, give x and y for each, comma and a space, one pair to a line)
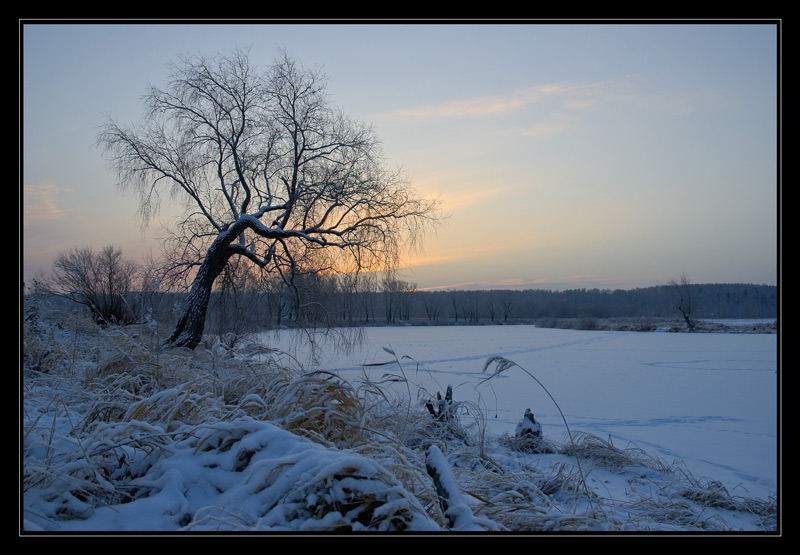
268, 170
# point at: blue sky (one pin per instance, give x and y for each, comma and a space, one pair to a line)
570, 155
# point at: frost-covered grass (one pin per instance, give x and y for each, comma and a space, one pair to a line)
119, 435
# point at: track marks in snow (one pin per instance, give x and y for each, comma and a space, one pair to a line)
663, 421
711, 365
430, 363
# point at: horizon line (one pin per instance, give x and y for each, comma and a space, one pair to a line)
561, 286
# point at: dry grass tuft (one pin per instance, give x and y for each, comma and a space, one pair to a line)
603, 452
531, 445
172, 408
318, 405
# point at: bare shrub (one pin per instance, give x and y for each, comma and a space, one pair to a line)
101, 281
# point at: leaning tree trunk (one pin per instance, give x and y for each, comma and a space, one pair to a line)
189, 330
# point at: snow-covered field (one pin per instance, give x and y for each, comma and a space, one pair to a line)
695, 416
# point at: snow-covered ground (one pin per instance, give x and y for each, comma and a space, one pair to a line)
704, 406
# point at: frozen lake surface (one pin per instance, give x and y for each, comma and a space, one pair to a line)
709, 400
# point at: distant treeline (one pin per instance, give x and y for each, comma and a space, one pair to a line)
708, 301
239, 311
246, 310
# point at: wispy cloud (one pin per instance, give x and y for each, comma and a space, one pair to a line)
456, 190
540, 111
569, 96
440, 258
463, 254
475, 107
459, 200
558, 106
40, 203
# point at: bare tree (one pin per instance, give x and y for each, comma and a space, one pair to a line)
397, 297
683, 294
507, 304
269, 172
101, 281
433, 305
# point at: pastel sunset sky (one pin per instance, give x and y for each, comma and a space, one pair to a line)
568, 155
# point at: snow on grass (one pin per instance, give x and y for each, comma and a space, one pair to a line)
250, 475
640, 432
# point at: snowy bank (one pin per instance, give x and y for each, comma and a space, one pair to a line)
119, 436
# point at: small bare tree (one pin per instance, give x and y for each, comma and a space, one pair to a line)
397, 297
433, 305
101, 281
683, 295
269, 172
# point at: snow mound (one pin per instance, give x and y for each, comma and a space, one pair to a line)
242, 475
